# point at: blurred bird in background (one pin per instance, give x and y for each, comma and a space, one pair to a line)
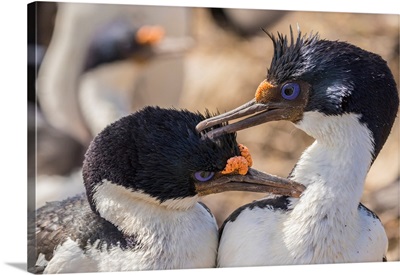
79, 91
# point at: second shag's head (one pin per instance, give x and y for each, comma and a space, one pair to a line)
311, 80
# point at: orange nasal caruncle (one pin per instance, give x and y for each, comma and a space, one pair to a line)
236, 165
244, 151
262, 89
239, 164
150, 34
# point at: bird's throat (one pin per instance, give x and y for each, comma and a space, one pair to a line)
335, 166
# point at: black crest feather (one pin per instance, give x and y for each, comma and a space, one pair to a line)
289, 59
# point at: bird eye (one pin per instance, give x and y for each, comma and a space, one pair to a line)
290, 91
203, 175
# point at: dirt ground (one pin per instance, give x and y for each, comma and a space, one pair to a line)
223, 71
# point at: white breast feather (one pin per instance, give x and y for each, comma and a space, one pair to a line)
325, 225
177, 235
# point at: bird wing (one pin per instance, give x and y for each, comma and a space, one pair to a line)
52, 225
73, 219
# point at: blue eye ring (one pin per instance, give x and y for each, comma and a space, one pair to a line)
290, 91
203, 175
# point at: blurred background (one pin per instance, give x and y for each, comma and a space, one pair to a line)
89, 64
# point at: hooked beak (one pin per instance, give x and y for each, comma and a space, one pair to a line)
253, 181
268, 105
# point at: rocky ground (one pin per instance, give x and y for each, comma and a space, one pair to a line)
223, 71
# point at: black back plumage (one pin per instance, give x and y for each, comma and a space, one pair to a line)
344, 79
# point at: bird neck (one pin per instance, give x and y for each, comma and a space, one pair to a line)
131, 211
168, 235
335, 166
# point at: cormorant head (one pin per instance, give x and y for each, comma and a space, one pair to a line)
311, 80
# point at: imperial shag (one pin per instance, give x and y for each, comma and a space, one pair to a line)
345, 98
144, 175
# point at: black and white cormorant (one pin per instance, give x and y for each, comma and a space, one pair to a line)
344, 97
144, 175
